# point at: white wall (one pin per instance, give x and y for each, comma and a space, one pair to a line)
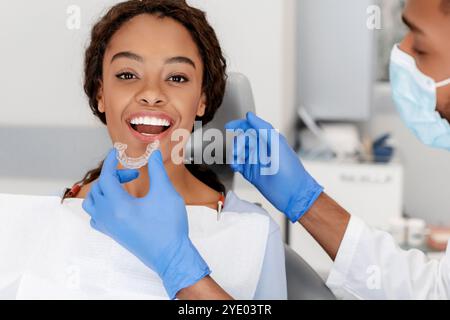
426, 170
42, 82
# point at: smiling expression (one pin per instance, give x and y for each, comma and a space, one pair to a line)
151, 83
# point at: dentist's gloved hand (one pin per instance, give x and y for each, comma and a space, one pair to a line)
291, 189
154, 228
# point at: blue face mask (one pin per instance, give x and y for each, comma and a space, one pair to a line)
415, 95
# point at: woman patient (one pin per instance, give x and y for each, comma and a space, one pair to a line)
161, 59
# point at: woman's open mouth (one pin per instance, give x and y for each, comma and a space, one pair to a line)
148, 129
149, 126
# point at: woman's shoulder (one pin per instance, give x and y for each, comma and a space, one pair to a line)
233, 203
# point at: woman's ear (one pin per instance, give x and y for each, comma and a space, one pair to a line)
100, 99
202, 106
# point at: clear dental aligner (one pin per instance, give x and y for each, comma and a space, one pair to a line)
134, 163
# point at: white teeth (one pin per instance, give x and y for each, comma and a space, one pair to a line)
150, 121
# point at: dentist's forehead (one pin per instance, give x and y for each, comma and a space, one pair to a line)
426, 18
423, 10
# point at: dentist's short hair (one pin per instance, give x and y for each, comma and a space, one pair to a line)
445, 6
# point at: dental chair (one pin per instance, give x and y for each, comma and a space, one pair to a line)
302, 281
70, 149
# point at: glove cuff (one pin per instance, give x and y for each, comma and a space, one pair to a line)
303, 200
185, 269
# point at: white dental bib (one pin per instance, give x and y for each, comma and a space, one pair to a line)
49, 251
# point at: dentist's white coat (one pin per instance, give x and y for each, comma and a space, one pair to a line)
370, 265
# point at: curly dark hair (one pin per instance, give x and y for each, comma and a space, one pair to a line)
445, 6
204, 36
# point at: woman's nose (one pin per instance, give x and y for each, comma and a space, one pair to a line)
151, 102
151, 95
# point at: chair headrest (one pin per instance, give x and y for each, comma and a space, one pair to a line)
238, 100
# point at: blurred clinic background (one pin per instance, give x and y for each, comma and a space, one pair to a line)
319, 73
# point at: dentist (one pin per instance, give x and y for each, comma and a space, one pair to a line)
367, 262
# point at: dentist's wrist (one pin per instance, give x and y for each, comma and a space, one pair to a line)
185, 269
302, 201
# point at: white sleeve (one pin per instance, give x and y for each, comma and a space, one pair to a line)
369, 265
272, 281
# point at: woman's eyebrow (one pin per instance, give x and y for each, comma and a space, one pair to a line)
181, 59
138, 58
129, 55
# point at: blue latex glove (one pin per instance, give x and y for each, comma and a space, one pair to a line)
291, 190
153, 228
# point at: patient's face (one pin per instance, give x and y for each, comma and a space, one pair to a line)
151, 65
427, 41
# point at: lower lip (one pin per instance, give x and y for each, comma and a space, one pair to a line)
150, 138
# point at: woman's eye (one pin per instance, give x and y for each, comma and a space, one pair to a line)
178, 79
126, 76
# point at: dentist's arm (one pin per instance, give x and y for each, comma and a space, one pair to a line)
368, 264
327, 222
289, 188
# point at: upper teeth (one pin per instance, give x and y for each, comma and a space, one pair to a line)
150, 121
